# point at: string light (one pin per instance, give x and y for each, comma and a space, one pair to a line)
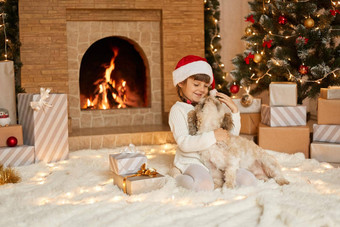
213, 49
294, 78
4, 26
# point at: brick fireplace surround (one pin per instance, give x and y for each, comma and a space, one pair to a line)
55, 34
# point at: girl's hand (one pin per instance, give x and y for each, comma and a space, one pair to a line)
228, 101
221, 134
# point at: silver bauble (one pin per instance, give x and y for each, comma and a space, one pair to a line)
246, 100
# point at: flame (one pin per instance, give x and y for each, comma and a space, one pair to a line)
107, 88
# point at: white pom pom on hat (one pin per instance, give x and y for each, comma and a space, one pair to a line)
191, 65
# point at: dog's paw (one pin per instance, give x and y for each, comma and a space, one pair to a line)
230, 184
281, 181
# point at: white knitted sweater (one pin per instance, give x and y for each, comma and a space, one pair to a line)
188, 146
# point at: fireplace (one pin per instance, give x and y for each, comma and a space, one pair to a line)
56, 40
114, 74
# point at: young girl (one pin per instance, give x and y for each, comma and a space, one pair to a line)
192, 78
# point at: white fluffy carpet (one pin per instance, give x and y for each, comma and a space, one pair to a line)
80, 192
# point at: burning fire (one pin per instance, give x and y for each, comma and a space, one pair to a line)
108, 93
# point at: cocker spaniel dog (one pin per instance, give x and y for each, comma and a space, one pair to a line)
224, 158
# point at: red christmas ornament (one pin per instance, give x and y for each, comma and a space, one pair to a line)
251, 19
334, 12
282, 20
234, 88
12, 141
247, 59
267, 43
303, 69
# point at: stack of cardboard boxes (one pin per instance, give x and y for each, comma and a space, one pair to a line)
326, 133
283, 124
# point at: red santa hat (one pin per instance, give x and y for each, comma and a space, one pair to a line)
191, 65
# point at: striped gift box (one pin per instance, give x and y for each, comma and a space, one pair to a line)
283, 115
17, 156
47, 128
326, 133
126, 163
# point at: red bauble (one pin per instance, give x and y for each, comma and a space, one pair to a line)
12, 141
282, 20
234, 88
303, 69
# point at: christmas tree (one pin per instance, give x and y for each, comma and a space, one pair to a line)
291, 40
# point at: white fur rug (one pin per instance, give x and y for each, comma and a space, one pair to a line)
80, 192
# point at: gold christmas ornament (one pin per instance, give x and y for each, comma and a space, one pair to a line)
246, 100
248, 30
257, 58
309, 23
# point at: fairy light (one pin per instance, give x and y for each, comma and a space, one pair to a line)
4, 26
213, 49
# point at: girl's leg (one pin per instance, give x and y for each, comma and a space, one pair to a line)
196, 178
245, 178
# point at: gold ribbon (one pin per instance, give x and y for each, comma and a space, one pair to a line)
44, 94
142, 172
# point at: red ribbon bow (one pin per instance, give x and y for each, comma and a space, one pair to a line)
334, 12
251, 19
247, 59
267, 43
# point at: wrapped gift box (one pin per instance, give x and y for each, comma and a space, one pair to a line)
326, 133
330, 93
250, 123
139, 184
255, 107
11, 130
325, 152
126, 163
17, 156
275, 116
328, 111
283, 94
45, 129
285, 139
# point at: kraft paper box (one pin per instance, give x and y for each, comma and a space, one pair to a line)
328, 111
11, 130
255, 107
45, 129
285, 139
275, 116
326, 133
325, 152
139, 184
330, 93
250, 123
126, 163
283, 94
17, 156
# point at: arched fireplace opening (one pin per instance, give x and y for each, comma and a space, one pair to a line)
114, 73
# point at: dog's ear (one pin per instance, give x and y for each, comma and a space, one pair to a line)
192, 122
227, 122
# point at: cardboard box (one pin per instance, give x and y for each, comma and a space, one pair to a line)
11, 130
285, 139
330, 93
328, 111
250, 123
45, 129
139, 184
325, 152
17, 156
283, 94
126, 163
255, 107
275, 116
326, 133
